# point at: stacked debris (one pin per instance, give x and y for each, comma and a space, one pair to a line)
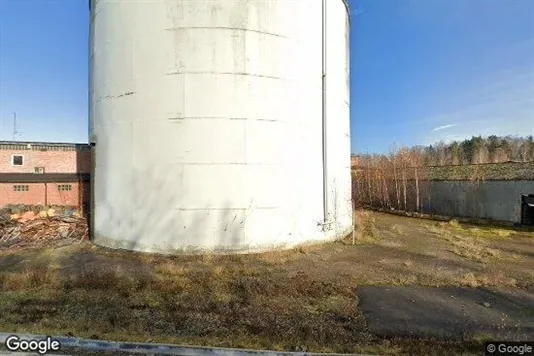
24, 225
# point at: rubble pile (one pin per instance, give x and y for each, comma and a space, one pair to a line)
24, 225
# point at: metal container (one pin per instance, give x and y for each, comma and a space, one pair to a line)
219, 125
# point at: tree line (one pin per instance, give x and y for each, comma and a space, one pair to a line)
399, 180
476, 150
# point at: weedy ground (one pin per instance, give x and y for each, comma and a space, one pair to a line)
300, 299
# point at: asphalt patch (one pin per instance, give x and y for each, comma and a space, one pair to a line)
449, 313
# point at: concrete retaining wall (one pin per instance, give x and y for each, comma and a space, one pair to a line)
496, 200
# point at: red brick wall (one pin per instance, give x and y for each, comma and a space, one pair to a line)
37, 195
53, 161
56, 197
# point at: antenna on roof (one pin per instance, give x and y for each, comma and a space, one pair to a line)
14, 126
15, 132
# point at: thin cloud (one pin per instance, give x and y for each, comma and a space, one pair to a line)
500, 104
439, 128
357, 11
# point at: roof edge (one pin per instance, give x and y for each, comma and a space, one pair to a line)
69, 144
20, 178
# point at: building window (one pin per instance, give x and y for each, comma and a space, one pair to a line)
64, 187
39, 170
17, 160
21, 188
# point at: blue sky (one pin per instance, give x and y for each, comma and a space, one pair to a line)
43, 69
422, 70
430, 70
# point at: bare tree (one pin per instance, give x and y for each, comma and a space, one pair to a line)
404, 184
386, 191
394, 159
416, 190
369, 181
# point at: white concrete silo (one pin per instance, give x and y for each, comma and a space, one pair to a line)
211, 127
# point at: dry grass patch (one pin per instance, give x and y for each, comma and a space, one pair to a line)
408, 263
454, 224
437, 229
481, 231
493, 278
170, 268
404, 280
210, 306
470, 242
283, 300
366, 231
472, 280
218, 271
503, 233
474, 249
489, 233
280, 257
30, 278
398, 229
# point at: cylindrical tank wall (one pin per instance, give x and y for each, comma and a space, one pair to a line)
207, 120
338, 114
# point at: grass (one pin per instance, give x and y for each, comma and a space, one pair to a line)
473, 249
471, 242
367, 232
212, 307
300, 299
408, 263
34, 277
218, 306
170, 269
472, 280
487, 232
398, 229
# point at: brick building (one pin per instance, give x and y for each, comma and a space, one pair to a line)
38, 173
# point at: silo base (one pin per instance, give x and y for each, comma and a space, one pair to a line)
222, 250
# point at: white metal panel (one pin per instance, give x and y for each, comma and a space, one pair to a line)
208, 119
338, 116
265, 137
194, 141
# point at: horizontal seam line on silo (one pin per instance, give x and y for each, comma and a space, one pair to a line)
229, 73
224, 28
225, 209
226, 164
177, 118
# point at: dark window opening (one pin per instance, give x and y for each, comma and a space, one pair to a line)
64, 187
21, 188
18, 160
527, 209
